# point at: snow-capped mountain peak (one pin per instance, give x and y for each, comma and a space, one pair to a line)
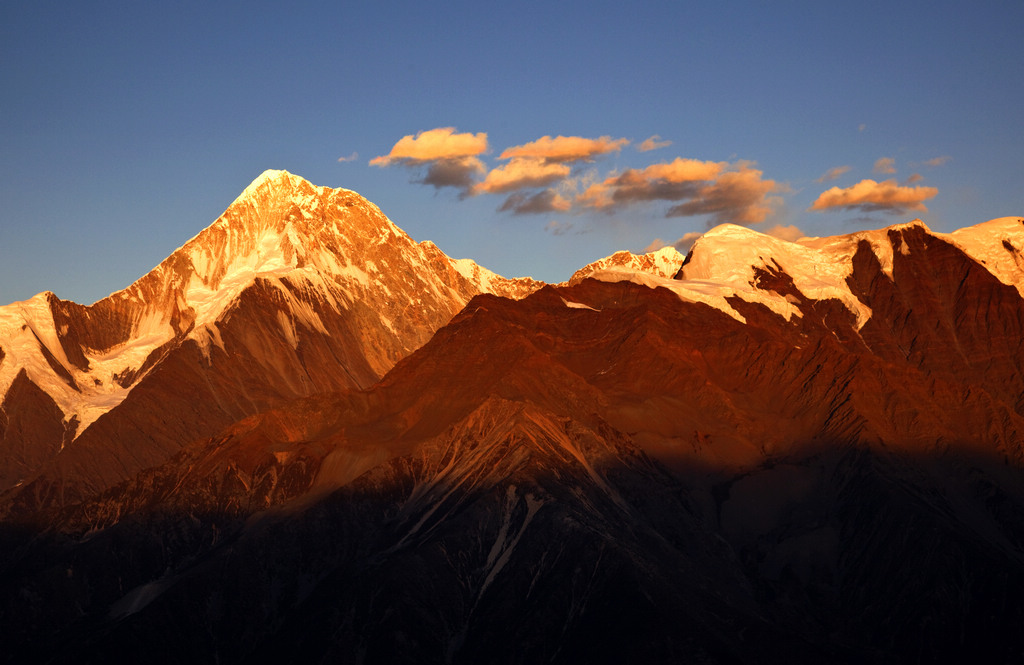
324, 252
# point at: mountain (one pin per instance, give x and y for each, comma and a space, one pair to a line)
294, 290
772, 452
665, 262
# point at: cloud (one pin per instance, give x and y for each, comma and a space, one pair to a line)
558, 228
914, 177
937, 161
522, 173
861, 127
450, 157
565, 148
544, 176
655, 245
351, 158
669, 181
460, 173
833, 173
736, 197
870, 196
885, 166
432, 145
790, 233
652, 143
684, 244
546, 201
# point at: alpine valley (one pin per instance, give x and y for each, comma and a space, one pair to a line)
306, 438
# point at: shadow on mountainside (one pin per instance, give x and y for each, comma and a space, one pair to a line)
523, 555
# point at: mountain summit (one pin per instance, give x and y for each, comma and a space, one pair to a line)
294, 290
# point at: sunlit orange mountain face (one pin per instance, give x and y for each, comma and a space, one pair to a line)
305, 437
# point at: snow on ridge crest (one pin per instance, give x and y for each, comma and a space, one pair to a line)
723, 263
998, 245
664, 262
730, 255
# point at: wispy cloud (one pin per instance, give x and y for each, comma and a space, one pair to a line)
558, 228
870, 196
565, 148
545, 201
351, 158
937, 161
914, 178
652, 143
885, 166
833, 173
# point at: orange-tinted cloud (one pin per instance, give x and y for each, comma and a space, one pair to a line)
546, 201
522, 173
669, 181
914, 177
565, 148
833, 174
868, 195
351, 158
682, 245
885, 166
655, 245
652, 143
736, 197
790, 233
450, 157
433, 145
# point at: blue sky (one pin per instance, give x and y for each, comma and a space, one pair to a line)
129, 127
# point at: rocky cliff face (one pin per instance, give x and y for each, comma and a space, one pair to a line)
790, 452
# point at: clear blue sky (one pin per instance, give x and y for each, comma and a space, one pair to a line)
126, 128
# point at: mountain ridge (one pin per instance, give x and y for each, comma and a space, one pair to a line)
770, 452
